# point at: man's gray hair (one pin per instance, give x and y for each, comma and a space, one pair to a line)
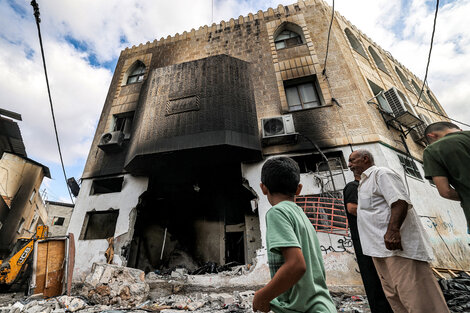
364, 152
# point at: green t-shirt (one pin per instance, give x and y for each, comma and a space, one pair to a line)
450, 157
288, 226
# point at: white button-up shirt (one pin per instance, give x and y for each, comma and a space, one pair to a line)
378, 189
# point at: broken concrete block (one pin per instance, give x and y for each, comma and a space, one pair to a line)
72, 304
226, 299
113, 284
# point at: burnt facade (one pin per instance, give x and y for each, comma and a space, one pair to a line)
190, 119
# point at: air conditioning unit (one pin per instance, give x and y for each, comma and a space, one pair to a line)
401, 108
112, 141
417, 133
278, 130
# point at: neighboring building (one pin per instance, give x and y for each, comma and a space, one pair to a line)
59, 214
21, 207
190, 119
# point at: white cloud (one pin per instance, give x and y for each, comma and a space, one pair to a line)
405, 30
99, 27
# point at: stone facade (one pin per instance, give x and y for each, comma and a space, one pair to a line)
347, 115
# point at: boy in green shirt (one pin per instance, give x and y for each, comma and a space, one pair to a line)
298, 281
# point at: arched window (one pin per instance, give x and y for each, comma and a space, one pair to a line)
403, 79
136, 75
378, 60
355, 42
434, 103
287, 39
418, 90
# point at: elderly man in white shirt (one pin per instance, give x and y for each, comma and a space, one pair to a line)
395, 239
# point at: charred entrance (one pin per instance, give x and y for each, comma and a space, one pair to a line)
191, 216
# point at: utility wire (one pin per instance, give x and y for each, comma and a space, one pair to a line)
439, 114
38, 20
328, 39
430, 50
427, 69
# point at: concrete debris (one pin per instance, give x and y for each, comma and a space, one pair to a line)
72, 304
110, 284
197, 302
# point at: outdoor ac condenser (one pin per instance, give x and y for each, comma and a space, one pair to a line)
401, 108
278, 126
112, 141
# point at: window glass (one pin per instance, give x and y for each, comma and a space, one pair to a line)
293, 98
434, 103
287, 39
303, 95
309, 97
137, 75
280, 45
355, 43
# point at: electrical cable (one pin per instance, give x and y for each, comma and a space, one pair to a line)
38, 20
328, 39
430, 50
439, 114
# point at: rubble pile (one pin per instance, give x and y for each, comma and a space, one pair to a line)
350, 304
457, 292
236, 302
110, 284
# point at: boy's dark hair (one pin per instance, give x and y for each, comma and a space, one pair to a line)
281, 175
439, 126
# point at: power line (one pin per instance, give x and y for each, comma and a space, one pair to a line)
430, 50
38, 20
439, 114
328, 39
427, 69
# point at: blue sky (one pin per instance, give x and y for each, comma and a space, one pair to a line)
83, 39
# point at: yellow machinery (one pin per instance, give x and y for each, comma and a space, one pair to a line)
13, 267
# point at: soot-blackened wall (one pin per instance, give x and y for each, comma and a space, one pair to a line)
202, 106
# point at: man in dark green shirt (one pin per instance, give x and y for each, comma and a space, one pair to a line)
447, 162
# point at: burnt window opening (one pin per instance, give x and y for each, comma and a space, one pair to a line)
193, 219
137, 74
410, 167
99, 225
107, 185
287, 39
58, 221
313, 162
123, 123
355, 43
382, 102
303, 93
378, 60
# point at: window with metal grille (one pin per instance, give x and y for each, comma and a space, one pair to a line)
410, 167
326, 214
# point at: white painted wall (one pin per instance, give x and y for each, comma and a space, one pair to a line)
446, 220
90, 251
